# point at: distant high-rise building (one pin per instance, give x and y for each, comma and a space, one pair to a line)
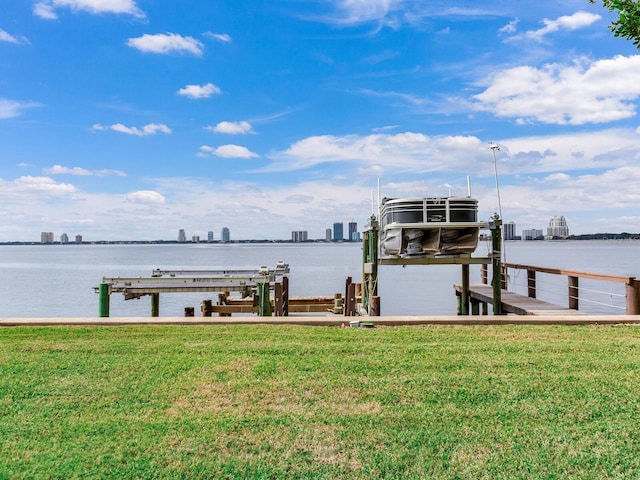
210, 236
195, 239
64, 238
182, 237
327, 235
354, 236
78, 238
299, 236
337, 232
225, 235
509, 231
558, 227
46, 237
532, 234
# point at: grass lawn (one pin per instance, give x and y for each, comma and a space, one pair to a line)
309, 402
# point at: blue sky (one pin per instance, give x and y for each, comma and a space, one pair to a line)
131, 119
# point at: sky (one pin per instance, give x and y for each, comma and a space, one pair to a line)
132, 119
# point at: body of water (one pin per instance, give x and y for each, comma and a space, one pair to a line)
59, 280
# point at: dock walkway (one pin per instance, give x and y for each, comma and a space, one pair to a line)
516, 303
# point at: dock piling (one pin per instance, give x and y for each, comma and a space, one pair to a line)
206, 308
103, 300
633, 297
464, 297
155, 304
264, 300
496, 256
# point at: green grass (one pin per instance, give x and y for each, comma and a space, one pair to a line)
299, 402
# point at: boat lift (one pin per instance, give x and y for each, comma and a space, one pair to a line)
373, 252
256, 283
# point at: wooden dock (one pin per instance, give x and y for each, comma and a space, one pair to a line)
516, 303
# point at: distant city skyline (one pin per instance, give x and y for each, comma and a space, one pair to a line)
131, 118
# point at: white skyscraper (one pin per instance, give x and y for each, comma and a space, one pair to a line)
558, 227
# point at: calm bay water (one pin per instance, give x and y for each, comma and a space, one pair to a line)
59, 280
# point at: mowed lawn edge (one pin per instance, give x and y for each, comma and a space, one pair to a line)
320, 402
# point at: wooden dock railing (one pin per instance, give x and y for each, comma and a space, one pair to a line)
632, 285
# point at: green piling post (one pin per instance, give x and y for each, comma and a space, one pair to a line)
370, 266
264, 300
103, 300
496, 256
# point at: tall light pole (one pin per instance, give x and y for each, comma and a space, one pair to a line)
494, 147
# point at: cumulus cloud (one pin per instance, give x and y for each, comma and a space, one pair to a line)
567, 23
61, 170
559, 94
7, 37
12, 108
199, 91
407, 151
44, 185
163, 43
150, 129
221, 37
228, 151
147, 197
46, 9
232, 128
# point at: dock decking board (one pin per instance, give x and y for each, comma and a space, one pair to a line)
516, 303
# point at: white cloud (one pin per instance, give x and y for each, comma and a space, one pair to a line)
12, 108
359, 11
221, 37
510, 27
401, 152
7, 37
232, 128
412, 99
567, 22
228, 151
565, 94
167, 43
44, 185
147, 197
199, 91
61, 170
46, 9
150, 129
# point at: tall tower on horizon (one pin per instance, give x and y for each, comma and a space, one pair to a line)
182, 237
509, 230
558, 227
225, 235
353, 232
337, 232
